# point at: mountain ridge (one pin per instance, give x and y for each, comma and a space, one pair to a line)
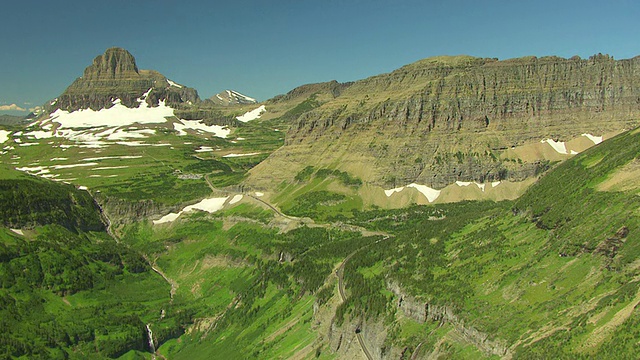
447, 119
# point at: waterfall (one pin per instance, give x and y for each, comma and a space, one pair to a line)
152, 344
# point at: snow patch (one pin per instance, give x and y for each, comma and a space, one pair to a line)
252, 115
391, 191
111, 157
240, 155
209, 205
39, 134
596, 139
556, 145
18, 231
463, 183
204, 149
171, 83
235, 199
82, 187
429, 193
495, 183
216, 130
259, 194
110, 167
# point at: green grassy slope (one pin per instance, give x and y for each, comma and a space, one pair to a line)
554, 275
67, 289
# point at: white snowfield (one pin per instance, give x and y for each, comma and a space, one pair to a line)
252, 115
596, 139
391, 191
432, 194
235, 199
209, 205
96, 129
239, 155
429, 193
556, 145
216, 130
236, 94
204, 149
110, 157
171, 83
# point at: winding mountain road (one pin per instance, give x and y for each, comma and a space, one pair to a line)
340, 270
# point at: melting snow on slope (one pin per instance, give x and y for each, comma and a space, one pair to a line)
232, 93
596, 139
174, 84
252, 115
467, 183
240, 155
429, 193
209, 205
204, 149
217, 130
94, 127
556, 145
235, 199
391, 191
117, 115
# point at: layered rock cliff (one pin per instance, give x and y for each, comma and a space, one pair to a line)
448, 119
115, 75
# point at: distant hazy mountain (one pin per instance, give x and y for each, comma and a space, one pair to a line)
230, 97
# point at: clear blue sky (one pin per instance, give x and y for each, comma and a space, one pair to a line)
263, 48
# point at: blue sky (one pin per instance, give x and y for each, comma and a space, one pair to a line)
264, 48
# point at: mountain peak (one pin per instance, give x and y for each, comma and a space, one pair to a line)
115, 75
115, 63
231, 97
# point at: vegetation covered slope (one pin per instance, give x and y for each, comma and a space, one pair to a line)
67, 289
28, 201
554, 275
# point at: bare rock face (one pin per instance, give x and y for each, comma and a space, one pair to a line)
445, 119
115, 75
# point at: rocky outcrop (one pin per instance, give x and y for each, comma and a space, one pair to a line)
446, 119
115, 75
423, 311
121, 211
304, 91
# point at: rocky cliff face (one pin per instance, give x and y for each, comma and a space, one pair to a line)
115, 75
445, 119
421, 311
120, 211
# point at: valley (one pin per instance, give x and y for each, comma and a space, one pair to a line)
457, 207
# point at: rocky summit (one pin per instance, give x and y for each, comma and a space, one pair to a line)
447, 119
231, 97
115, 75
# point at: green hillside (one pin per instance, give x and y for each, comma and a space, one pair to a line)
69, 290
